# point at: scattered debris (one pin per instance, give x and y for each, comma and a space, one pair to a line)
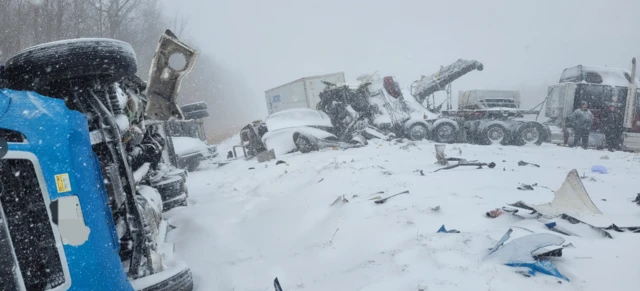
519, 253
252, 168
387, 173
634, 229
603, 199
320, 180
637, 201
479, 165
605, 157
599, 169
572, 197
494, 213
548, 254
523, 163
440, 156
444, 230
382, 201
436, 209
354, 196
340, 200
574, 220
280, 162
276, 284
525, 187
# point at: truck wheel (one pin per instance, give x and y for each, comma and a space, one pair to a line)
199, 114
194, 107
530, 133
417, 132
445, 133
495, 134
303, 143
43, 64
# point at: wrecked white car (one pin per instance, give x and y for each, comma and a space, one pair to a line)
191, 151
302, 130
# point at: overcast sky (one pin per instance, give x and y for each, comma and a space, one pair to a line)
522, 44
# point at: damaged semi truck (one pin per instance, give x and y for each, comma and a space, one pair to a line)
87, 168
483, 116
600, 87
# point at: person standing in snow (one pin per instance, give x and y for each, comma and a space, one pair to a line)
612, 127
582, 120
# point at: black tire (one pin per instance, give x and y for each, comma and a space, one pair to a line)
445, 133
43, 64
417, 132
494, 134
199, 114
182, 281
194, 107
304, 144
530, 133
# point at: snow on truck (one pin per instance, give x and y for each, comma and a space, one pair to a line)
600, 87
86, 168
301, 93
483, 116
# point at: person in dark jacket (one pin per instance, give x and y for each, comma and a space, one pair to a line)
612, 128
582, 120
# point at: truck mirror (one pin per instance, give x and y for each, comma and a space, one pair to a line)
67, 215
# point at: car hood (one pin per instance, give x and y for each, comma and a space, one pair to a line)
188, 145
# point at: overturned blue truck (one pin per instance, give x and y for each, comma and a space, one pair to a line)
86, 169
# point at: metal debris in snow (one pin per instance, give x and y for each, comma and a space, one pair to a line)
523, 163
281, 162
340, 200
384, 200
479, 165
525, 187
443, 229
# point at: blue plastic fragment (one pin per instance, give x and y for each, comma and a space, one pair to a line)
444, 230
544, 267
599, 169
551, 225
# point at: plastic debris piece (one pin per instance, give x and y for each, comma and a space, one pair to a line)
544, 267
444, 230
599, 169
494, 213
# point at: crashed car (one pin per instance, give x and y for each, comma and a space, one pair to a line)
375, 103
298, 129
191, 151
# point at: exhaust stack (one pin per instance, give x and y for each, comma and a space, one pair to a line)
630, 109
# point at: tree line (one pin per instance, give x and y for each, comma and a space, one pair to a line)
24, 23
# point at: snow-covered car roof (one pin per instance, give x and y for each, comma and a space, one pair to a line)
297, 117
188, 145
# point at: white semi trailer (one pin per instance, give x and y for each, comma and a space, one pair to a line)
301, 93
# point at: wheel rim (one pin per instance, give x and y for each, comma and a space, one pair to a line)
530, 135
495, 134
302, 144
417, 132
445, 132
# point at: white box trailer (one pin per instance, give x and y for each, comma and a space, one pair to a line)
301, 93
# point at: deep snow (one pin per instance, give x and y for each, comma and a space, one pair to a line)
245, 227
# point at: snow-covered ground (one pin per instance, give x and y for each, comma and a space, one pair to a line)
248, 223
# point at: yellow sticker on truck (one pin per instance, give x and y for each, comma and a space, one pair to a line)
62, 183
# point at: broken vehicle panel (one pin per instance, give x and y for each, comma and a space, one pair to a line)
172, 62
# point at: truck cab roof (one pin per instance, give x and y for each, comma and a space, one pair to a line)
618, 77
